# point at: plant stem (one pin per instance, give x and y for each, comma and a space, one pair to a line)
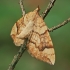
17, 57
49, 7
59, 25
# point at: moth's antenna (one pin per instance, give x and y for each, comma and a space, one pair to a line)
22, 7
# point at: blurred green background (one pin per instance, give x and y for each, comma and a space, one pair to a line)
10, 12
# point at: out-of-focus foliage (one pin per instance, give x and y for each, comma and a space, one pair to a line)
10, 12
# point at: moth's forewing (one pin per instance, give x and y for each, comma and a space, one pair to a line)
40, 44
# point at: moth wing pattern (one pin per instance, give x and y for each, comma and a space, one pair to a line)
16, 30
40, 44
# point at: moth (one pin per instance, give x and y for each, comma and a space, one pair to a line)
39, 43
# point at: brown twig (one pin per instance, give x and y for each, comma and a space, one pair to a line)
50, 5
22, 7
45, 13
59, 25
17, 57
22, 48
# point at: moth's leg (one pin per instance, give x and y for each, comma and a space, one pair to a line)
50, 5
22, 7
59, 25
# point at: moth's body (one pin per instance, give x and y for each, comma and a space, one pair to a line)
39, 43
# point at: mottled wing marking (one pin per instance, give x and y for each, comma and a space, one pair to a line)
40, 44
47, 55
16, 29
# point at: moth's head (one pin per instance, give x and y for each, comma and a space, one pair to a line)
35, 12
37, 9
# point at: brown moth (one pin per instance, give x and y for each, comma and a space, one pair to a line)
39, 43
